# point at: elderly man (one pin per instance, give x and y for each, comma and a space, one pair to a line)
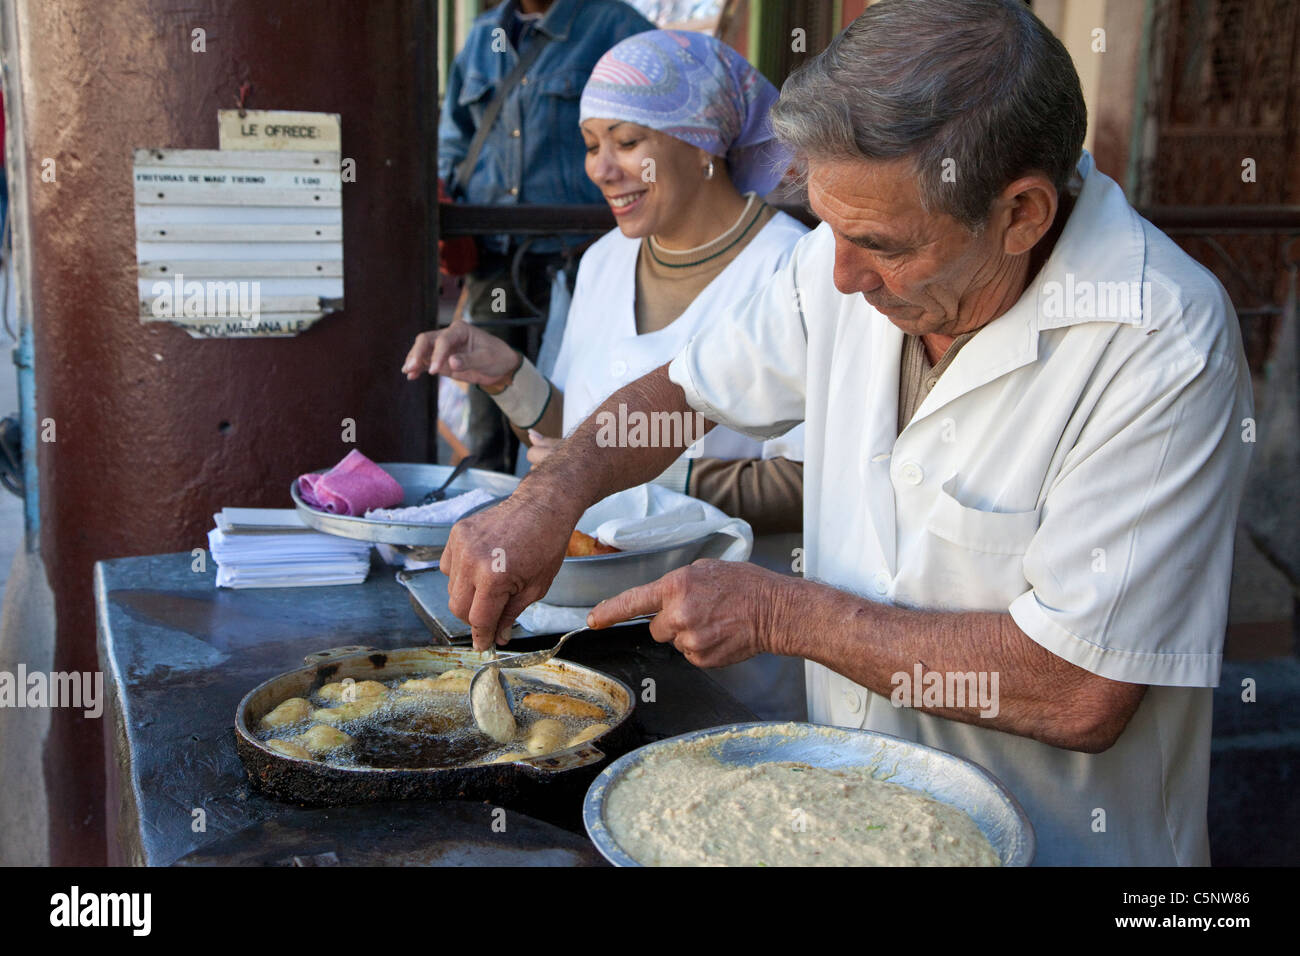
1024, 411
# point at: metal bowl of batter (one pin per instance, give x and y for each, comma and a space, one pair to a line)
935, 773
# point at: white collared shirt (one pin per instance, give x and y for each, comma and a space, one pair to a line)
1079, 465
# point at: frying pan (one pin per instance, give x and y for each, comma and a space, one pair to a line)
312, 783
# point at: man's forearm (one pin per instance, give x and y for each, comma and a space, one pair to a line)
587, 466
879, 646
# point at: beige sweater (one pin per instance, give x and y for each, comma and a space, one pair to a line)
668, 281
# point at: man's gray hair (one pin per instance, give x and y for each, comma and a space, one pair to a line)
981, 84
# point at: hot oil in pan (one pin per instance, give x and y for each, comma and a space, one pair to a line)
414, 731
433, 734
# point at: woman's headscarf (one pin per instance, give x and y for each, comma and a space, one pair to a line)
700, 91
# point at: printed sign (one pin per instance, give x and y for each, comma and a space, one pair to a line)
278, 130
240, 242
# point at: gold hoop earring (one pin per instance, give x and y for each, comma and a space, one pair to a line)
708, 170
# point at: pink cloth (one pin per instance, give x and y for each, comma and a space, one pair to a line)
352, 487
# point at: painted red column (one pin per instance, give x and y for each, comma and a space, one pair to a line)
154, 431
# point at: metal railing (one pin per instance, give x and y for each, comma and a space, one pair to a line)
1203, 222
460, 219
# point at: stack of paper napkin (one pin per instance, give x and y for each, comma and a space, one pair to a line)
272, 548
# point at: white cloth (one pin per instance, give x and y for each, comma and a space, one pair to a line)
524, 400
557, 316
263, 559
1081, 472
649, 516
448, 511
543, 618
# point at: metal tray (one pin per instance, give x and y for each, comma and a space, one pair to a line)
427, 590
940, 775
583, 582
416, 480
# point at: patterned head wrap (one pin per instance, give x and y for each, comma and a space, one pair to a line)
697, 89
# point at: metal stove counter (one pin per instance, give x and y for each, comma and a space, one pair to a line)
178, 654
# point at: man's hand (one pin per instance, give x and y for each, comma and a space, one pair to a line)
503, 559
714, 612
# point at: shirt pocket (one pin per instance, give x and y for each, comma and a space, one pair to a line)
973, 558
994, 532
564, 84
475, 95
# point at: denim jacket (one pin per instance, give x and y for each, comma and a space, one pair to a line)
534, 153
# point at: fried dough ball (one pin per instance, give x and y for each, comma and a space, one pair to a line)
421, 685
586, 734
288, 748
584, 545
345, 712
561, 705
454, 681
352, 691
546, 736
288, 712
321, 738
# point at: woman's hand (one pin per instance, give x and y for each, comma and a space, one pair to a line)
462, 352
540, 446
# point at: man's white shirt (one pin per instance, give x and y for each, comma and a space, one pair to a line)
1079, 465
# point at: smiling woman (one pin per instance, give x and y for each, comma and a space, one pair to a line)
658, 185
673, 196
678, 142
